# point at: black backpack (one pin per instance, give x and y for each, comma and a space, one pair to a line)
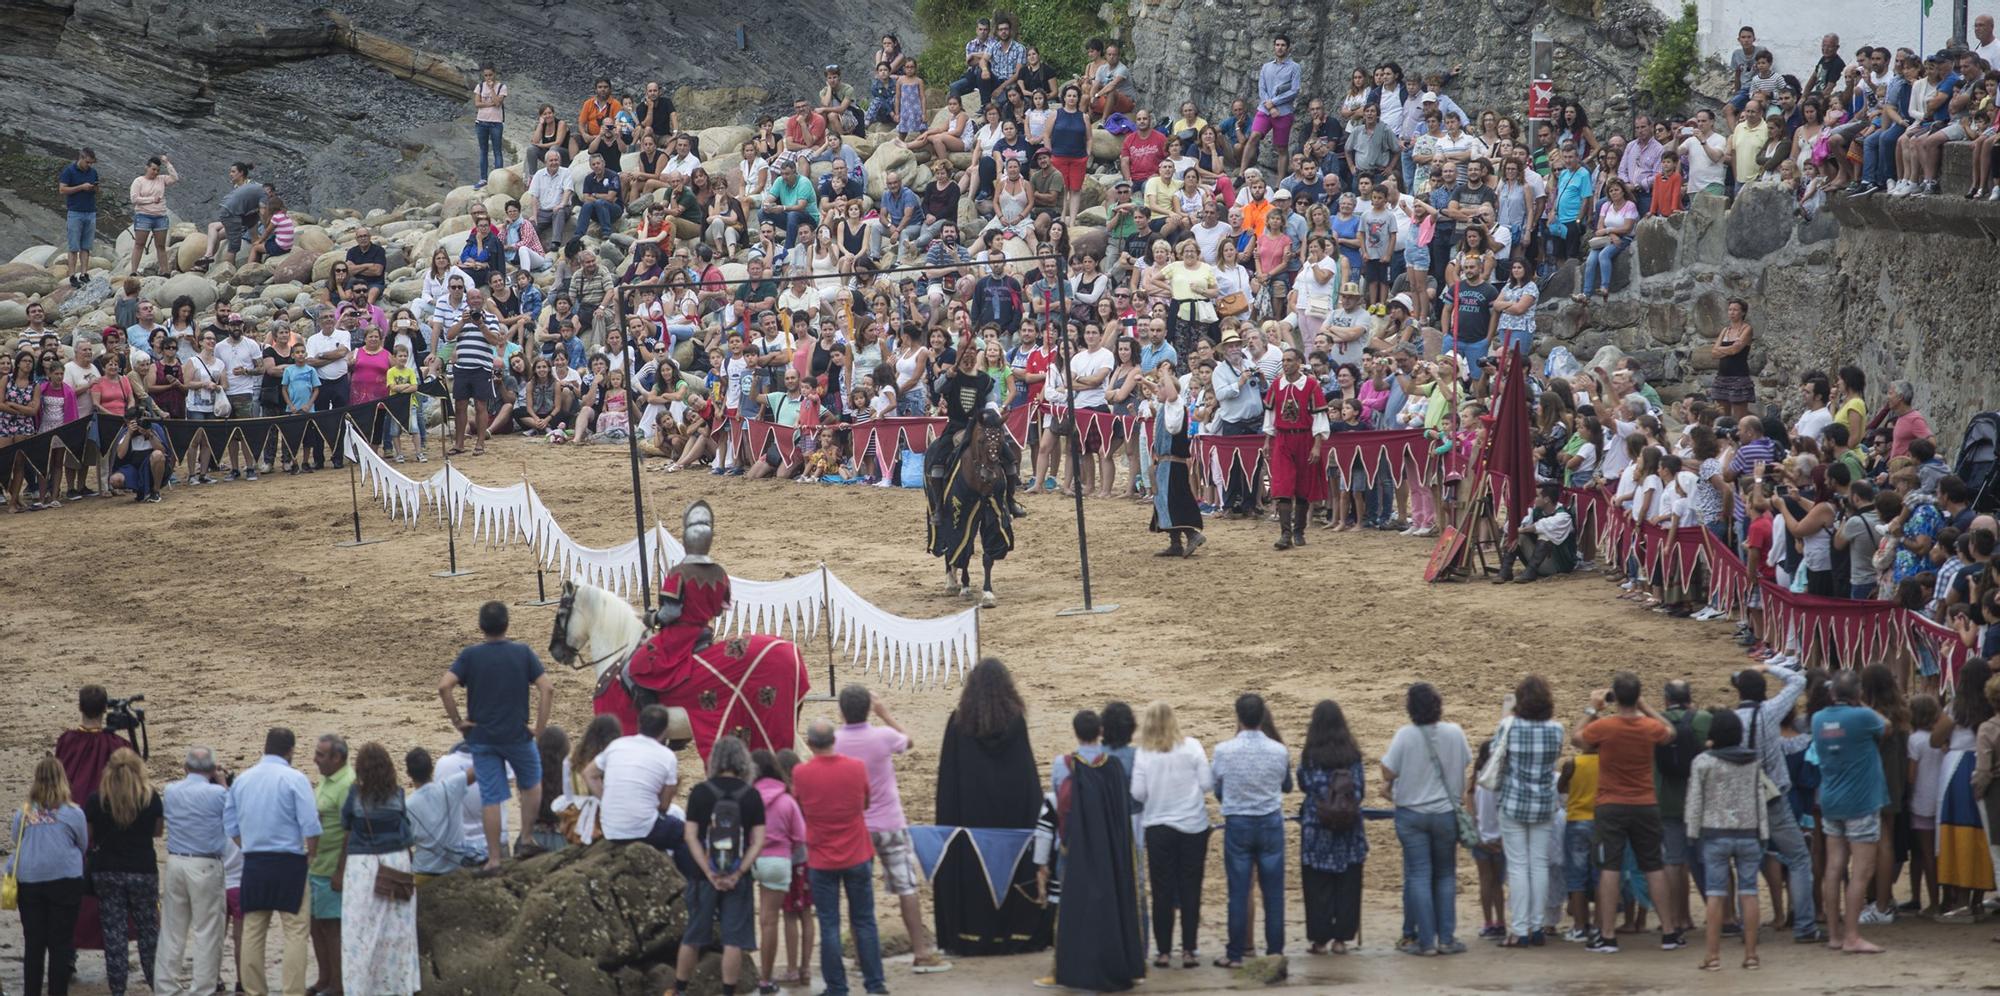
1675, 758
1340, 809
726, 836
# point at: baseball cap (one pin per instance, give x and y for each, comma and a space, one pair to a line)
1281, 194
1121, 182
1429, 97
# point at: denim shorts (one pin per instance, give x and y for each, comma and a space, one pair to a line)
1673, 841
1416, 257
1577, 866
1720, 854
149, 222
82, 230
1860, 830
490, 763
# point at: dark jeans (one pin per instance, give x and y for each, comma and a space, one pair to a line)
1255, 843
859, 884
605, 213
1430, 876
972, 81
789, 220
332, 394
487, 133
48, 922
1175, 862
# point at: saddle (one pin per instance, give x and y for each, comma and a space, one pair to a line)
640, 694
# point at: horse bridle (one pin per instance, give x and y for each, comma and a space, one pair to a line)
563, 610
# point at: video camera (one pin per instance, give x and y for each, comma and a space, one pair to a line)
126, 716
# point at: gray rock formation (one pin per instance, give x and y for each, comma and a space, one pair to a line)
362, 103
604, 920
1883, 283
1210, 50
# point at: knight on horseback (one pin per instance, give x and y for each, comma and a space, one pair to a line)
970, 489
692, 594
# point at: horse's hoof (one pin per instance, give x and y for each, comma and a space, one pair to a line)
987, 601
969, 591
951, 588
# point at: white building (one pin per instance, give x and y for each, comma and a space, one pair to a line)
1792, 30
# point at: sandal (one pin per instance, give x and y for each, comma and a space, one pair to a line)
1223, 961
1190, 960
1750, 962
1711, 964
455, 451
1160, 961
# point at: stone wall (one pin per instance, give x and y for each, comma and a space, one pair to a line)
1901, 287
1210, 50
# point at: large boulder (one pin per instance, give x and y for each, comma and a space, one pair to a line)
323, 266
293, 267
701, 107
1104, 146
311, 240
25, 278
85, 299
193, 286
253, 274
505, 181
281, 293
603, 920
403, 291
39, 255
459, 199
723, 139
1760, 222
190, 251
1657, 242
13, 314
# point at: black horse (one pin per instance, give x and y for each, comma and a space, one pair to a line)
966, 489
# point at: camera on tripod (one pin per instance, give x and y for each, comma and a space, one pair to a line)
126, 716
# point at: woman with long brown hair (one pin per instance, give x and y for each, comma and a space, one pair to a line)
987, 778
378, 931
125, 815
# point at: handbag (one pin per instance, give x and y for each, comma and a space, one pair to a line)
1489, 776
1468, 831
1231, 304
393, 884
10, 884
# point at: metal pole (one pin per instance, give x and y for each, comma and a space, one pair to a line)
450, 517
535, 551
1076, 444
632, 450
826, 605
354, 498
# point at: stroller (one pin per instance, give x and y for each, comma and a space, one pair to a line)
1979, 461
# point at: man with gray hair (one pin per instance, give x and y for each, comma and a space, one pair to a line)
725, 833
832, 792
1906, 423
193, 893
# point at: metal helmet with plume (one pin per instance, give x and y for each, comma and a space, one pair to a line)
698, 532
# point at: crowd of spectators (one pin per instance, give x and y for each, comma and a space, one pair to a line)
1824, 785
1373, 230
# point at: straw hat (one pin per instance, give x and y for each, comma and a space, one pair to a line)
1350, 289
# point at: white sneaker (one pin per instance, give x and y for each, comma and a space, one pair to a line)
1875, 917
1706, 614
1627, 586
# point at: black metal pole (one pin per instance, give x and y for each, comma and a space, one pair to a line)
632, 419
354, 498
450, 517
1076, 424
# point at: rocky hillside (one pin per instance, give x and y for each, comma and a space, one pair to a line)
362, 103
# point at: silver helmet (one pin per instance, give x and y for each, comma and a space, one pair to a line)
698, 532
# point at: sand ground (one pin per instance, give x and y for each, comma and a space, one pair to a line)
232, 610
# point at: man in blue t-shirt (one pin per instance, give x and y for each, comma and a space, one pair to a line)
1852, 793
497, 674
78, 186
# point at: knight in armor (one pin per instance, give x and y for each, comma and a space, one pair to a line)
969, 395
692, 594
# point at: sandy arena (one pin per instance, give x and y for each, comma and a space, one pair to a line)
231, 609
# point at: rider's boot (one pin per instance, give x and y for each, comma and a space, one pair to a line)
1284, 524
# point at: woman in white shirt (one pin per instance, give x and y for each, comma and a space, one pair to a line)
753, 178
437, 282
1312, 295
1171, 779
1231, 276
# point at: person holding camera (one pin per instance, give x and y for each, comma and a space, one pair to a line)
139, 460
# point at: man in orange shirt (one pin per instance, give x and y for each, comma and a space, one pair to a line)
598, 122
1628, 813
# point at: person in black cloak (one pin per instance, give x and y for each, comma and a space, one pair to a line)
1100, 944
1176, 511
987, 778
